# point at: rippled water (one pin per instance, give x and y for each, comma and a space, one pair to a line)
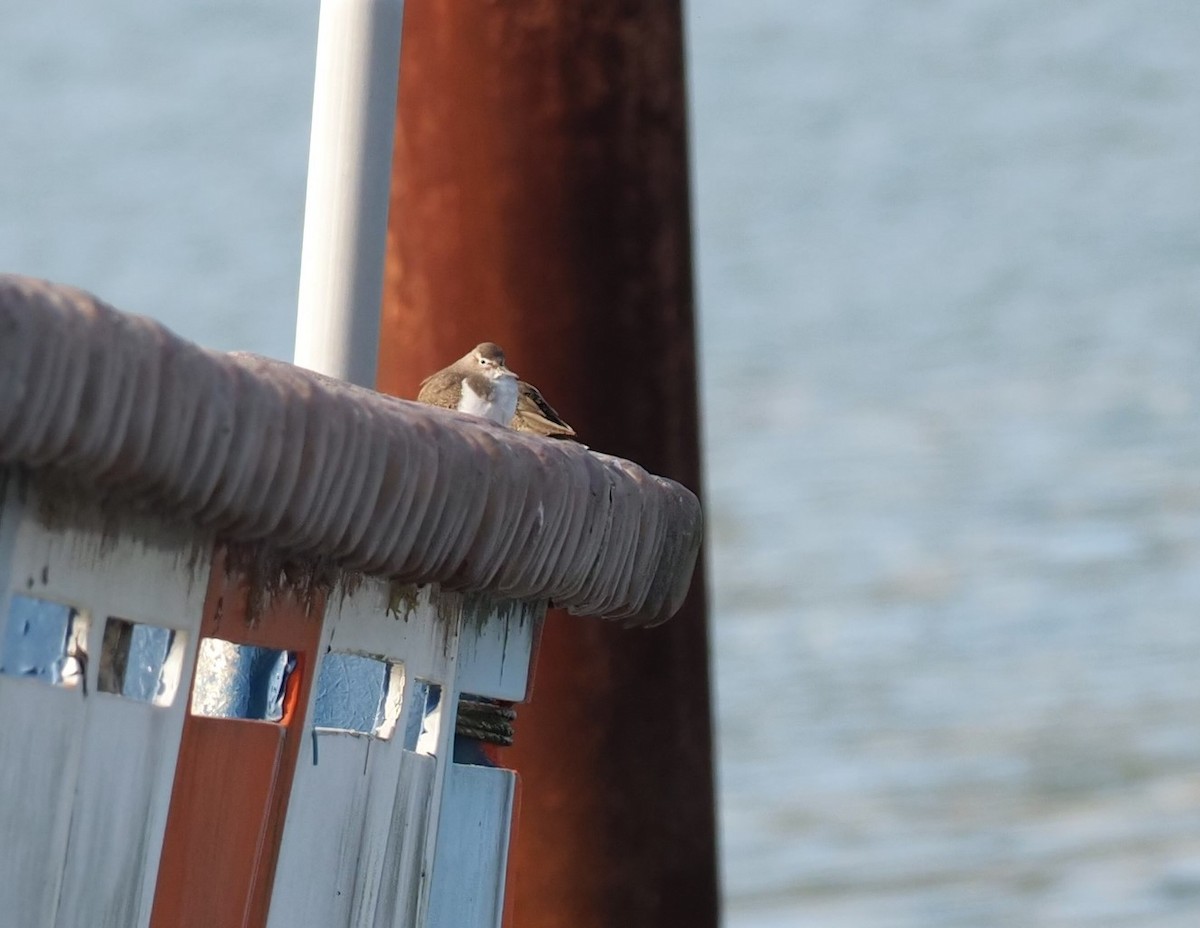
948, 255
949, 280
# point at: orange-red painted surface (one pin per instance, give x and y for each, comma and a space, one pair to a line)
234, 776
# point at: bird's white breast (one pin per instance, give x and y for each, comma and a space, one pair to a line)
500, 407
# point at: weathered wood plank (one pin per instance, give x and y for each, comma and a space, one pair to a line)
493, 654
470, 863
120, 812
360, 847
405, 866
235, 775
472, 849
208, 879
333, 846
40, 742
91, 791
360, 828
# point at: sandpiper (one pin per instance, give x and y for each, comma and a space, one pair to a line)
479, 383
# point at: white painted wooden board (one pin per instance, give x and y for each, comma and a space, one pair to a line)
405, 866
40, 728
366, 814
362, 814
493, 654
119, 813
471, 860
86, 776
472, 848
336, 807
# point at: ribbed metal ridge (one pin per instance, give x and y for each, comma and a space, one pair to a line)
262, 451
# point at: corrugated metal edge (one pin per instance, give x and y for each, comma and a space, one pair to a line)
262, 451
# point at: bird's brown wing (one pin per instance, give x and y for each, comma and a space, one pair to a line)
438, 390
534, 414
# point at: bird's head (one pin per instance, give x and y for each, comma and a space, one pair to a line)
488, 359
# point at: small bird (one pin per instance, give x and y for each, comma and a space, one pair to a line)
480, 383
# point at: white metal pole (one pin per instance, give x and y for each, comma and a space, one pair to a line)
341, 261
349, 177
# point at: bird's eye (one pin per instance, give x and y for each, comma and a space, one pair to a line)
484, 361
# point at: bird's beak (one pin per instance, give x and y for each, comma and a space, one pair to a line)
506, 372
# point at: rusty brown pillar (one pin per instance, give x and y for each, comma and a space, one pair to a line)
540, 200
